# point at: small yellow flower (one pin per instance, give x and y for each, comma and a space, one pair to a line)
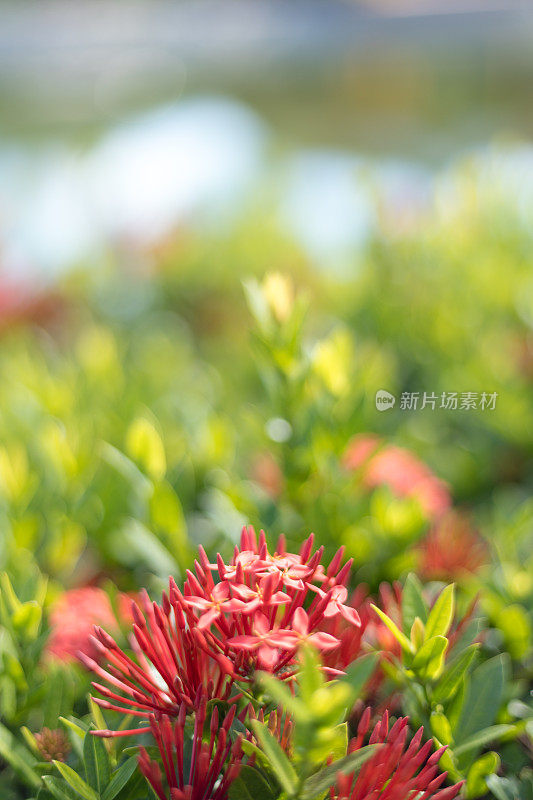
278, 291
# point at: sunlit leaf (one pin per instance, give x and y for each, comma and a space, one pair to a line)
441, 615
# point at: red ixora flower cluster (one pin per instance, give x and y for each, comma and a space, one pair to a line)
397, 769
215, 761
230, 620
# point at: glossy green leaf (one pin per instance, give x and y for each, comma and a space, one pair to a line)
120, 778
454, 674
250, 785
76, 731
478, 740
417, 634
476, 780
97, 769
251, 749
27, 619
59, 691
393, 628
514, 623
18, 757
144, 445
75, 782
440, 727
429, 660
318, 783
359, 672
413, 603
281, 766
8, 593
168, 519
59, 788
280, 693
501, 788
310, 677
441, 615
483, 698
14, 669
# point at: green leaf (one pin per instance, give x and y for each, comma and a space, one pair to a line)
283, 697
97, 770
396, 632
483, 698
59, 789
330, 704
441, 615
514, 623
76, 731
455, 672
125, 467
96, 714
14, 669
448, 763
250, 749
250, 785
8, 593
58, 695
144, 445
30, 740
27, 619
317, 784
120, 778
43, 794
454, 706
310, 678
18, 757
413, 603
501, 788
167, 516
417, 634
360, 671
339, 748
137, 543
476, 783
482, 738
429, 660
282, 767
75, 782
440, 727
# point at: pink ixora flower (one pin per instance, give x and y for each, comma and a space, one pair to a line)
214, 762
72, 621
229, 620
405, 475
285, 599
216, 606
169, 666
269, 642
397, 769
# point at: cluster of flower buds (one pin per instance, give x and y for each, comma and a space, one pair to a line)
205, 643
214, 763
398, 768
230, 620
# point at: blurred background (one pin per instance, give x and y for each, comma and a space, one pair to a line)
223, 227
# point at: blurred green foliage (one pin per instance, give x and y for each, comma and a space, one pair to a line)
164, 408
